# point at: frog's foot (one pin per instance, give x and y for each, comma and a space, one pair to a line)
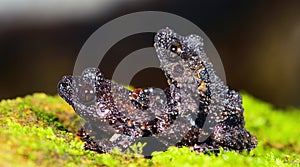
89, 142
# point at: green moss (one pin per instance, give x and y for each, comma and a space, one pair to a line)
39, 130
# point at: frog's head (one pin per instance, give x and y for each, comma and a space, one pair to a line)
88, 94
179, 55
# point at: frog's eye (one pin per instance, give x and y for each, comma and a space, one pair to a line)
86, 93
175, 47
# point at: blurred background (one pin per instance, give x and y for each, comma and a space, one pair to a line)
258, 42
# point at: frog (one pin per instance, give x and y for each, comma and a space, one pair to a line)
196, 110
183, 56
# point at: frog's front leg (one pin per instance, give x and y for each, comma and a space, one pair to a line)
140, 98
158, 102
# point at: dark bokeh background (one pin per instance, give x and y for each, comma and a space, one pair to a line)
258, 42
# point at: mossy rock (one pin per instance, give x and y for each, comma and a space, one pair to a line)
40, 130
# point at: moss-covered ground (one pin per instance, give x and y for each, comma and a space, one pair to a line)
40, 130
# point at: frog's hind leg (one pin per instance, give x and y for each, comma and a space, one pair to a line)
233, 137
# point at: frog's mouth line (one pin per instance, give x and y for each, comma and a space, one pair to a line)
65, 89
